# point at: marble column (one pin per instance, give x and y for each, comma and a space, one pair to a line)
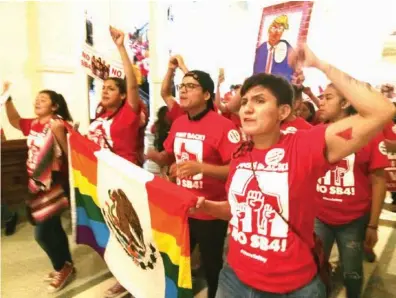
159, 55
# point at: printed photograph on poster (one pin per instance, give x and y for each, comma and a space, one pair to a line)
97, 66
282, 26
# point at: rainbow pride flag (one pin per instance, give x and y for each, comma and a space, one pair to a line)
137, 222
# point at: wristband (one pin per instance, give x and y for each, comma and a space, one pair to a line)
372, 227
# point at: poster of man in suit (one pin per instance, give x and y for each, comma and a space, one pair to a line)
282, 26
271, 55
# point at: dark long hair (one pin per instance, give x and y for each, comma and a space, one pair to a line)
162, 128
58, 100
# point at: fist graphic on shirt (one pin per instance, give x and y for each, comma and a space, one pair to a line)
241, 210
255, 199
269, 212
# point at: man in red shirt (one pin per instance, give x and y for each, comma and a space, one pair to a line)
201, 142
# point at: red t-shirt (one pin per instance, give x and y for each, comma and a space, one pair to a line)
295, 125
344, 192
390, 131
176, 111
390, 135
121, 132
263, 251
34, 130
211, 140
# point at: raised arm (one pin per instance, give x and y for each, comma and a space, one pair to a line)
131, 81
234, 104
374, 110
12, 113
166, 88
222, 107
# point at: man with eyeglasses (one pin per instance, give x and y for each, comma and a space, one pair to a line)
201, 142
271, 56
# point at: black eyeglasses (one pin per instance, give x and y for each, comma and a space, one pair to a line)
189, 86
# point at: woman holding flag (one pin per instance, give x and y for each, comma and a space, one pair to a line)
118, 126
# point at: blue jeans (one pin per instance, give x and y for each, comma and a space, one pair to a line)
231, 287
350, 240
52, 238
210, 235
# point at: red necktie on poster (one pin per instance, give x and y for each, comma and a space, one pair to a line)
270, 58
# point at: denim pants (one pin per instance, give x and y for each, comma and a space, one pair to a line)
210, 235
231, 287
350, 242
52, 238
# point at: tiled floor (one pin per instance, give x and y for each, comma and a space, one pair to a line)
24, 265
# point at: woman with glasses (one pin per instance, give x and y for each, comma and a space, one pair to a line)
201, 142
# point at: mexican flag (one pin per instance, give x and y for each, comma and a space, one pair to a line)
136, 221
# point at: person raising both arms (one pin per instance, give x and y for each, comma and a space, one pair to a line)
201, 142
119, 119
51, 111
272, 182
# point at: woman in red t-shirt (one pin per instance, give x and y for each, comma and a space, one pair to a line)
119, 114
51, 110
120, 124
273, 179
350, 196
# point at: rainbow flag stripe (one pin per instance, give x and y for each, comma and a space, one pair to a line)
168, 217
